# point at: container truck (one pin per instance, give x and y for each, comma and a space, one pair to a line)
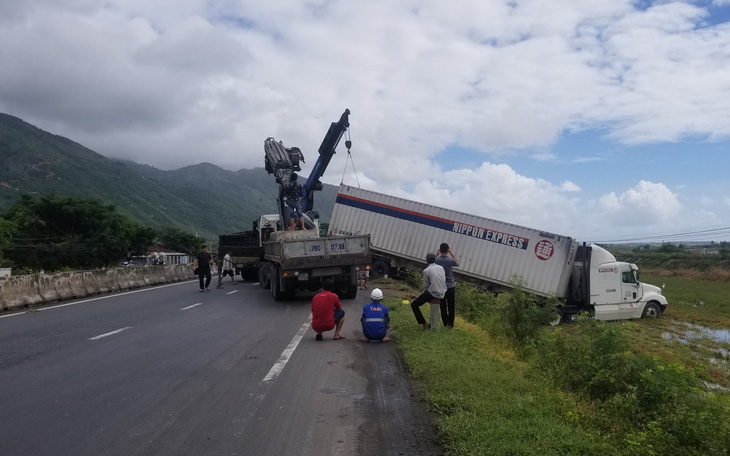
495, 255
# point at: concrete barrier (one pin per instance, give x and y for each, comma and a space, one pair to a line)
154, 275
88, 279
28, 290
47, 287
19, 291
63, 285
136, 276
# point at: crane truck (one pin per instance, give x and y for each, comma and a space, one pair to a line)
288, 261
496, 255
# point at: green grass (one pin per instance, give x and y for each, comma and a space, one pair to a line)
487, 400
701, 301
490, 398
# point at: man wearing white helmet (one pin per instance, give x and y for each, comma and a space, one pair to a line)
375, 319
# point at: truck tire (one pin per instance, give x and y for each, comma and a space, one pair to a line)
265, 275
346, 290
651, 310
555, 318
351, 293
379, 269
276, 292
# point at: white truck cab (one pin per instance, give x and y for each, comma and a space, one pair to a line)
616, 293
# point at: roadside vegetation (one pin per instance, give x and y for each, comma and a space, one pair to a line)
57, 233
503, 383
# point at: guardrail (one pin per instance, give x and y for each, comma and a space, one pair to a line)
29, 290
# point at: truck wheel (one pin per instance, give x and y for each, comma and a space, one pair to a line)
346, 290
351, 293
555, 319
651, 311
265, 276
276, 292
379, 269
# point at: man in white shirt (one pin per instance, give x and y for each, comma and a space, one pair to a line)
434, 288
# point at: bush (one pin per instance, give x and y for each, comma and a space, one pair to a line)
476, 305
522, 318
660, 407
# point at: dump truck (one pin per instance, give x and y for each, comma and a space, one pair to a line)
496, 256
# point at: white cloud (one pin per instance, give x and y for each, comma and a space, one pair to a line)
647, 203
176, 82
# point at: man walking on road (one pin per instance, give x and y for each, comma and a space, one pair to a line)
448, 304
202, 263
434, 287
327, 312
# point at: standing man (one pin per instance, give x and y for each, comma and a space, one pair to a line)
434, 287
375, 319
203, 262
448, 304
228, 267
293, 193
327, 311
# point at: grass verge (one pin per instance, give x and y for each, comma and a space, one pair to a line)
487, 400
588, 396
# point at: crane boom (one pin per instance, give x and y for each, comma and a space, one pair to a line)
283, 161
326, 151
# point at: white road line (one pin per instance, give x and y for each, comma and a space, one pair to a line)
286, 354
109, 333
194, 305
231, 292
113, 295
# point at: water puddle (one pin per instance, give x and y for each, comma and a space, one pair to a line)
695, 332
699, 331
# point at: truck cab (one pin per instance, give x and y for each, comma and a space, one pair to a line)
616, 291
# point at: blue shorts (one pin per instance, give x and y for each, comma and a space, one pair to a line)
295, 210
338, 315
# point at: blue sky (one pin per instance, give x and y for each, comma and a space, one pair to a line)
604, 120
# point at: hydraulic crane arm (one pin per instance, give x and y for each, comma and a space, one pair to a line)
326, 151
283, 161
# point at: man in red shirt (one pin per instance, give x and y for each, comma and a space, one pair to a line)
327, 311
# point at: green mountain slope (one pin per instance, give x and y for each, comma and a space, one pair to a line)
202, 198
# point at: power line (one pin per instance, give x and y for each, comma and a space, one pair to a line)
699, 235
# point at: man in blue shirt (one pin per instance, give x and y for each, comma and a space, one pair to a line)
375, 319
448, 304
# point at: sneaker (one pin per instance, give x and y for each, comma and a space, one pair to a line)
318, 337
201, 290
207, 289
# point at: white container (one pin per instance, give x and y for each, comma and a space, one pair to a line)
4, 272
488, 250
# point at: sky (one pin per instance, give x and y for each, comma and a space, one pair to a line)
602, 120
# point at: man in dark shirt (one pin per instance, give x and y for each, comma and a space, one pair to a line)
293, 194
448, 304
202, 263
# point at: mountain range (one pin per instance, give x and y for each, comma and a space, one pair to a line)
201, 199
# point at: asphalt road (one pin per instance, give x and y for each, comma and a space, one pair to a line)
171, 371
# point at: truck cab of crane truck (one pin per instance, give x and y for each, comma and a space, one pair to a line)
617, 293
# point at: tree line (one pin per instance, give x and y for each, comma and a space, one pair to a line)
53, 233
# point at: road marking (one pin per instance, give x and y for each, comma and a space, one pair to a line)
101, 336
114, 295
194, 305
231, 292
286, 354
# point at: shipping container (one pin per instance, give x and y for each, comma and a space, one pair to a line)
492, 252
